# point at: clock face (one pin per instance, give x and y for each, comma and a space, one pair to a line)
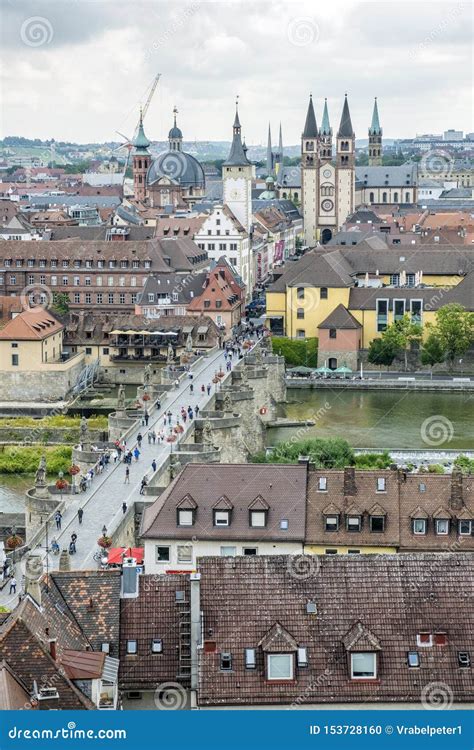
327, 173
327, 205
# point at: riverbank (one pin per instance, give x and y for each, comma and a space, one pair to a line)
402, 383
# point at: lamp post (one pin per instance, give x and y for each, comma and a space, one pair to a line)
104, 530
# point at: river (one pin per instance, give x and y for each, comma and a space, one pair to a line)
382, 419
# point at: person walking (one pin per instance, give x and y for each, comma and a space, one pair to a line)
72, 544
124, 507
208, 388
127, 476
143, 485
149, 438
13, 585
58, 518
191, 387
139, 439
196, 410
80, 513
153, 437
153, 465
136, 453
147, 419
203, 388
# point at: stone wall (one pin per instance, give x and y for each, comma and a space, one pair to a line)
45, 385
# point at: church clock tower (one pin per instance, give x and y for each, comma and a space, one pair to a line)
345, 166
237, 178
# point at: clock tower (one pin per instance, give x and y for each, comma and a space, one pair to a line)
237, 173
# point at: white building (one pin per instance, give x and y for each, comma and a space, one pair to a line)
222, 234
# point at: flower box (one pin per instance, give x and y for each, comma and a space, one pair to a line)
105, 542
14, 541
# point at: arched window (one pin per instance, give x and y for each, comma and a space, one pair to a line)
407, 197
384, 197
284, 195
295, 196
139, 164
395, 197
371, 197
309, 146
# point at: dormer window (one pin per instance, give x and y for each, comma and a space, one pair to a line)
442, 526
185, 517
222, 518
354, 523
280, 667
258, 518
332, 523
226, 661
322, 484
302, 656
464, 659
377, 524
381, 484
465, 527
364, 666
419, 526
424, 640
250, 658
132, 647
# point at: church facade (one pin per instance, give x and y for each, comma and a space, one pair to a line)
327, 188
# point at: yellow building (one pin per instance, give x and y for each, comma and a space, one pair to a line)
377, 287
33, 366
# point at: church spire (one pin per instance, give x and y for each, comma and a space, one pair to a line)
237, 156
310, 127
269, 151
375, 139
325, 126
280, 146
141, 142
345, 127
175, 136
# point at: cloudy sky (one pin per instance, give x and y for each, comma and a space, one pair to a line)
78, 69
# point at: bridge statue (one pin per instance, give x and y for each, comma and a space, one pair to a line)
189, 344
207, 433
147, 375
40, 475
227, 403
84, 440
121, 398
170, 356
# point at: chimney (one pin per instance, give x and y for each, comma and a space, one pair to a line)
195, 581
130, 575
349, 481
456, 502
52, 648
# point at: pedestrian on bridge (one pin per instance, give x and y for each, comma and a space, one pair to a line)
149, 438
139, 439
191, 388
146, 418
124, 507
196, 410
80, 513
208, 388
127, 476
143, 485
153, 465
136, 453
58, 518
13, 585
203, 388
153, 436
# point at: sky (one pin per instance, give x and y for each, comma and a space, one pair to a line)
78, 70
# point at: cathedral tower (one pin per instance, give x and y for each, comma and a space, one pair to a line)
175, 136
375, 139
141, 162
309, 175
326, 135
345, 164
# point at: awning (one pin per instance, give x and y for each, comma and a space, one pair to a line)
110, 670
116, 554
116, 333
202, 329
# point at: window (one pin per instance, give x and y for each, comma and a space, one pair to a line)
105, 350
364, 666
353, 551
221, 518
121, 299
422, 487
300, 292
132, 647
300, 313
332, 523
324, 292
249, 551
381, 484
398, 309
65, 280
185, 553
250, 658
464, 659
419, 526
87, 281
110, 298
382, 314
88, 298
354, 523
330, 551
162, 554
377, 523
332, 333
302, 655
424, 639
99, 298
42, 279
105, 647
322, 484
227, 551
77, 298
413, 659
284, 524
54, 280
300, 333
258, 518
185, 517
88, 350
15, 360
280, 666
226, 661
464, 528
416, 309
441, 526
12, 279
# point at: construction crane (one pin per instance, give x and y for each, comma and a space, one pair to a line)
150, 95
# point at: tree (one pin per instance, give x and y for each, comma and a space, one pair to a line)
432, 352
454, 328
404, 333
60, 303
382, 352
330, 453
